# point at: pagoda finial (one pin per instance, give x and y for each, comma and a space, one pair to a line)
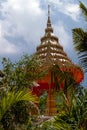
48, 22
48, 10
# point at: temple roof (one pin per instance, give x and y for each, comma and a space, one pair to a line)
50, 49
51, 52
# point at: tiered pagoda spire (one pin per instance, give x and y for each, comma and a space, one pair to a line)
50, 50
51, 53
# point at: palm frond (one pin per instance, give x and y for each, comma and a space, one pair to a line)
13, 98
84, 10
57, 73
83, 62
80, 40
60, 123
80, 45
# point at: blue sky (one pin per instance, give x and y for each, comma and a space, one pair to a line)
23, 22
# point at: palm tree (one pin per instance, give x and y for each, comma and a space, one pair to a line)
12, 98
80, 40
66, 79
75, 118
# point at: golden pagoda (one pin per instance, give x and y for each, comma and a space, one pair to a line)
51, 53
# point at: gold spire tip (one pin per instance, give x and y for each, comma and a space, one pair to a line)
48, 10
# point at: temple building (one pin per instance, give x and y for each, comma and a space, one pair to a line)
51, 53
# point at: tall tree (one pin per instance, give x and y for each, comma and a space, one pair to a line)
80, 40
23, 73
18, 76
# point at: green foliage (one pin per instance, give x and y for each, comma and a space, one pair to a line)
48, 125
71, 107
21, 74
19, 115
42, 103
64, 77
60, 101
80, 40
79, 111
12, 98
7, 103
76, 116
14, 111
57, 73
72, 118
84, 10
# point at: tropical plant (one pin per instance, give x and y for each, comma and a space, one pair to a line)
80, 40
47, 125
42, 103
74, 118
12, 98
18, 76
66, 79
21, 74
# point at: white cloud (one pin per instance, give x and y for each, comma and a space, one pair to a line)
5, 46
65, 40
73, 11
62, 34
8, 48
67, 7
22, 18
